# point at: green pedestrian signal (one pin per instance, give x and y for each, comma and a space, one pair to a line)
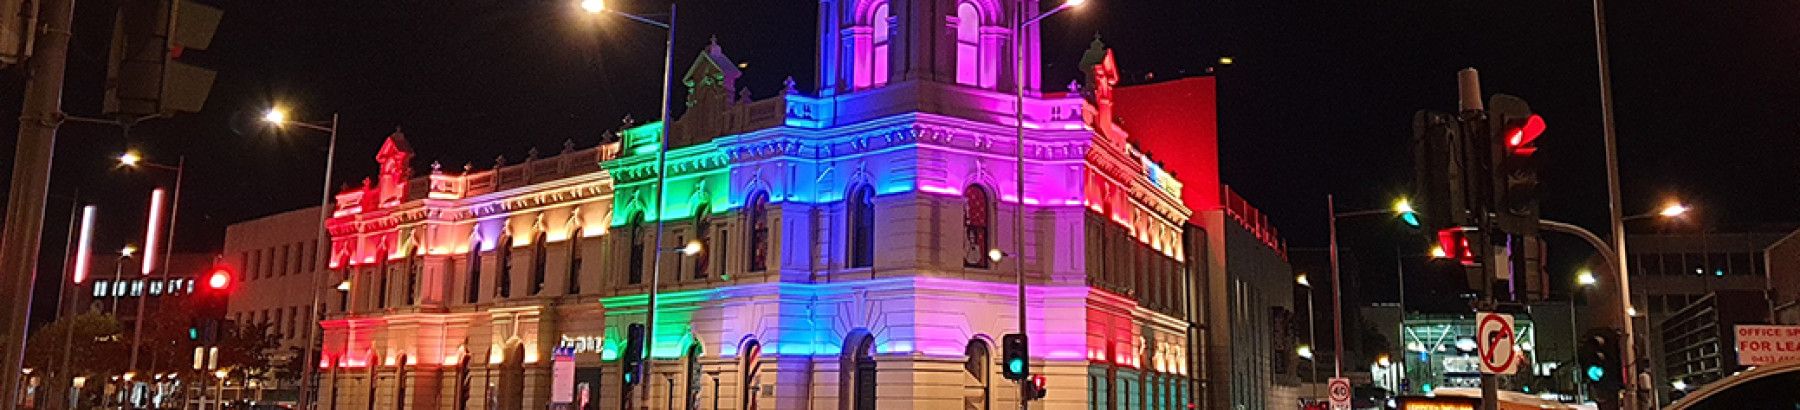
1595, 372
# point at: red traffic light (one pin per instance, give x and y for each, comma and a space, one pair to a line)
219, 279
1521, 134
1455, 243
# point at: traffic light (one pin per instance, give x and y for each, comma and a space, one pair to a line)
1016, 357
632, 359
143, 74
1598, 357
1037, 388
1514, 133
1440, 185
1454, 241
219, 280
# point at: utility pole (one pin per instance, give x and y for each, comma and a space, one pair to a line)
38, 120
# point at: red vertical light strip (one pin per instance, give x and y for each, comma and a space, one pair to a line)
83, 251
152, 230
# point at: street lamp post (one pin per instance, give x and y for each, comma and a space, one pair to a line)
1404, 210
278, 117
1312, 327
1019, 84
133, 160
662, 153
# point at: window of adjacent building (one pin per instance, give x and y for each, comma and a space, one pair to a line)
539, 259
703, 233
574, 260
100, 288
977, 223
968, 45
503, 267
757, 215
282, 264
861, 204
472, 293
634, 270
255, 265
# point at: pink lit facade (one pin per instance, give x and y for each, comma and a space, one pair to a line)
845, 236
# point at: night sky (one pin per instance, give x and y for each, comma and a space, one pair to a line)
1319, 100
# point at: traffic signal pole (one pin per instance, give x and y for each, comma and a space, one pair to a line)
1469, 100
40, 115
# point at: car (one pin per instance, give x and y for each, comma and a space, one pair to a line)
1774, 386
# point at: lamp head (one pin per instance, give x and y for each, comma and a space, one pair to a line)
995, 255
130, 159
1074, 3
276, 115
692, 247
127, 251
593, 6
1673, 210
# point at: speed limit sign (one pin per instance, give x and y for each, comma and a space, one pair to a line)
1339, 393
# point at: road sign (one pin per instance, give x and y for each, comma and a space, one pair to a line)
1760, 345
1339, 393
1494, 334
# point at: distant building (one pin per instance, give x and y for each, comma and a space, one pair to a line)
115, 283
1670, 271
1698, 341
279, 268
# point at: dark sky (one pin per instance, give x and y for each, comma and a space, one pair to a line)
1319, 101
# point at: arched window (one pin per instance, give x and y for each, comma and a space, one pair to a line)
693, 376
703, 233
574, 260
503, 263
634, 271
861, 213
756, 212
381, 277
862, 370
414, 268
472, 293
878, 50
978, 220
540, 257
968, 45
978, 367
750, 369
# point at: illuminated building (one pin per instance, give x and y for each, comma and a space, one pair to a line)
846, 237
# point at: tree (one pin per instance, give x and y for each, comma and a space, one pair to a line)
98, 350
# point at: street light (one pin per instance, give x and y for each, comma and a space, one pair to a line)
1305, 352
277, 116
1402, 209
127, 251
1019, 84
1312, 325
1302, 281
1673, 210
131, 159
662, 153
1586, 278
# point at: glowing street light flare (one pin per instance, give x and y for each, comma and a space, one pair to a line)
692, 247
130, 159
593, 6
1302, 281
1304, 351
1074, 3
275, 116
995, 255
127, 251
1437, 252
344, 286
1586, 278
1672, 210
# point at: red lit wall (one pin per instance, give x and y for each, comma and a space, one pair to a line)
1176, 123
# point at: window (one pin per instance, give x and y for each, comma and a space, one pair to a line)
100, 289
381, 276
413, 270
757, 214
977, 220
503, 265
878, 54
539, 258
574, 260
861, 211
634, 270
703, 233
473, 292
968, 45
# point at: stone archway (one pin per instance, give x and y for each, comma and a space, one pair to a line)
858, 375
